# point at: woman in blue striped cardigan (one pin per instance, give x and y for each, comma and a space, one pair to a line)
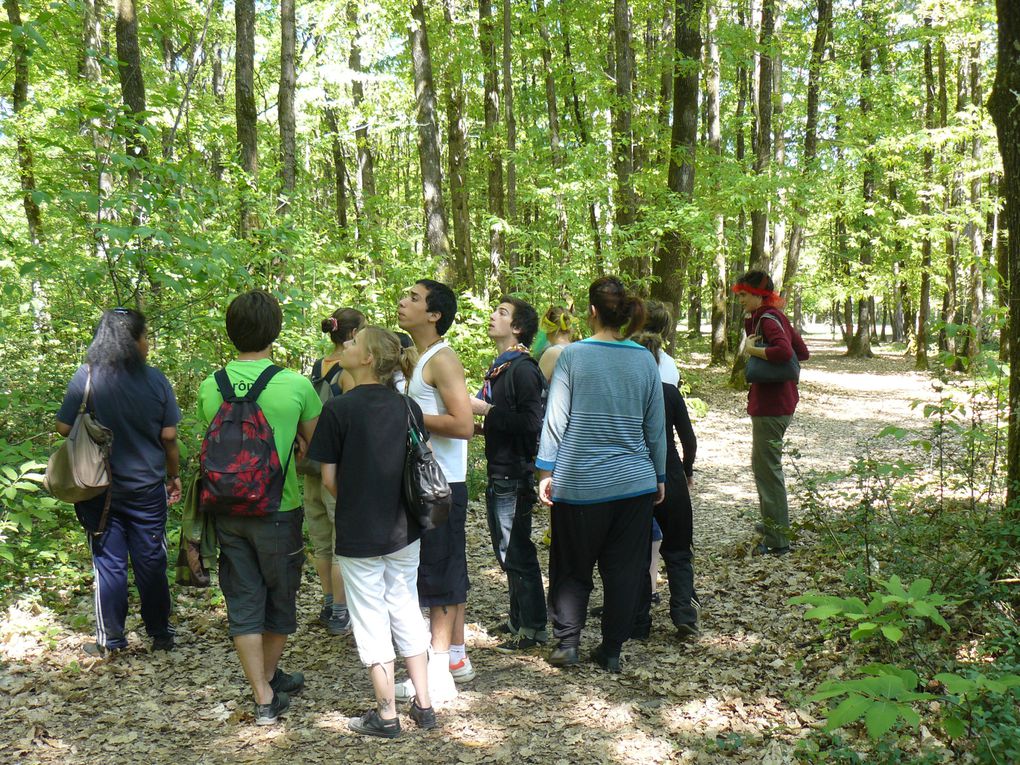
601, 465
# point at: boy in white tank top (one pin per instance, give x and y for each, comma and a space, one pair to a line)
438, 385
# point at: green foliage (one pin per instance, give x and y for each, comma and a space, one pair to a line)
884, 696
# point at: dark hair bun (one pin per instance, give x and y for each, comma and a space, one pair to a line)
330, 325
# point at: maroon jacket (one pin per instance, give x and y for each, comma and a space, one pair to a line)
775, 399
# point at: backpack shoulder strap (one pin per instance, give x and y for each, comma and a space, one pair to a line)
223, 383
317, 370
263, 380
511, 390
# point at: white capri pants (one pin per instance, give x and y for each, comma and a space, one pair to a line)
382, 597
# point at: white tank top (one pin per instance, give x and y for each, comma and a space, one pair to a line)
451, 453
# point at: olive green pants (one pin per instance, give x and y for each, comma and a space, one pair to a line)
767, 465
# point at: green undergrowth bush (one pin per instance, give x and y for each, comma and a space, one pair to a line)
926, 615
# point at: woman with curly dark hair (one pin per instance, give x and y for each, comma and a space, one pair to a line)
136, 402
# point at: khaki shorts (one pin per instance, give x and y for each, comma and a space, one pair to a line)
320, 509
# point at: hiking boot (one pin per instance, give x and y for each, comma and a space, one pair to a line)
688, 631
267, 714
290, 684
656, 599
339, 625
564, 656
164, 643
324, 615
462, 671
604, 660
425, 718
763, 549
597, 611
371, 724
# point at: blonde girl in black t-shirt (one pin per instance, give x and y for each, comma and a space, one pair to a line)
361, 442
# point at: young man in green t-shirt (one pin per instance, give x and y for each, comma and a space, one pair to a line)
261, 557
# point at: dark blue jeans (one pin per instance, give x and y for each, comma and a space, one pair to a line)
136, 528
509, 502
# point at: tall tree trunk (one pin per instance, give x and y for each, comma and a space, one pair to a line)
428, 139
493, 149
860, 345
339, 167
1003, 106
366, 161
823, 27
955, 196
623, 138
778, 154
511, 130
246, 115
556, 151
19, 99
216, 85
720, 293
582, 129
285, 106
763, 149
132, 85
670, 268
972, 231
928, 161
457, 159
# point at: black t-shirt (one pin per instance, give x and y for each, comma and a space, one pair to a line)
364, 433
136, 406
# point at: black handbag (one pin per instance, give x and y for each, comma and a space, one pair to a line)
426, 489
763, 371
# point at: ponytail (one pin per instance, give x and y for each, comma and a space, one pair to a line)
615, 306
342, 325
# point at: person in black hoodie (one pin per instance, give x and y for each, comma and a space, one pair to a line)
512, 401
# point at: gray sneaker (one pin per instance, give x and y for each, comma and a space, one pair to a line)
339, 625
268, 714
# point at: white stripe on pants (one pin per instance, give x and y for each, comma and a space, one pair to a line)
382, 597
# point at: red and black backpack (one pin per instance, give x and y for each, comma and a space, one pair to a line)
241, 471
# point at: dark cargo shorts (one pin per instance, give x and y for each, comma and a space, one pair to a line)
260, 571
442, 570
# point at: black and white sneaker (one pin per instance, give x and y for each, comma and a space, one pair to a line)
371, 724
290, 684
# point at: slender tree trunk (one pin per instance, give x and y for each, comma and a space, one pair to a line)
457, 159
366, 160
670, 268
779, 154
339, 167
556, 151
246, 114
720, 293
860, 345
511, 130
428, 140
763, 149
1003, 107
973, 229
623, 138
216, 85
19, 100
928, 161
285, 106
493, 149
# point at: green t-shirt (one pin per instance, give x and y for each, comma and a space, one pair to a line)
287, 400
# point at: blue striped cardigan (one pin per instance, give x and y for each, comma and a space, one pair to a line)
604, 434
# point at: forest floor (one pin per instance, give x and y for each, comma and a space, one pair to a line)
737, 695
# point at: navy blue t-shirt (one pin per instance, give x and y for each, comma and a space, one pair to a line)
136, 407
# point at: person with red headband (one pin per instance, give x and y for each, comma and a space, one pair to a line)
770, 405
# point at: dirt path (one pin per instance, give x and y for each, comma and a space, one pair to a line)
737, 695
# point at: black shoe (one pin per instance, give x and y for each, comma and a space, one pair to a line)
425, 718
163, 643
597, 611
339, 625
564, 656
656, 599
97, 651
763, 549
324, 613
371, 724
521, 643
503, 628
687, 631
267, 714
604, 660
291, 684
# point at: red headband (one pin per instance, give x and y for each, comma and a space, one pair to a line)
738, 287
